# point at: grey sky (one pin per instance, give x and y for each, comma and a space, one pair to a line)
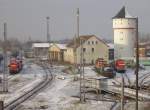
28, 17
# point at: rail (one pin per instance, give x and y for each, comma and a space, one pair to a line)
14, 103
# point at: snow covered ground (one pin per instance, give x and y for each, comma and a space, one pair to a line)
129, 76
142, 106
30, 76
58, 96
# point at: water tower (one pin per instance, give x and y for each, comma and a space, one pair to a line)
124, 28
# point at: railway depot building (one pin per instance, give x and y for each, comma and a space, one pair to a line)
40, 49
56, 52
93, 48
52, 50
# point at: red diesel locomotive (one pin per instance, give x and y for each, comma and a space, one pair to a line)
15, 65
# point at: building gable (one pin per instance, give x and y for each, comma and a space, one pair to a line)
95, 40
54, 48
75, 43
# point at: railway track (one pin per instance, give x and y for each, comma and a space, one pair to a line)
47, 79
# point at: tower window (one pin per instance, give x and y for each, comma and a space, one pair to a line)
88, 42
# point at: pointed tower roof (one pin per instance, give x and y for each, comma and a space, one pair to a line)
123, 13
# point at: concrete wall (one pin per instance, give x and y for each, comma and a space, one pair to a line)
124, 37
69, 55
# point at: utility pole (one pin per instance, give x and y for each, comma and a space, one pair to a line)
137, 63
5, 81
83, 72
120, 64
122, 92
80, 72
75, 53
81, 67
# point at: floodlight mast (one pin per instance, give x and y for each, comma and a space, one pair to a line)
48, 41
5, 81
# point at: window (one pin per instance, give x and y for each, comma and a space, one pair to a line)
121, 38
92, 42
121, 32
84, 61
84, 49
92, 62
96, 42
92, 49
88, 42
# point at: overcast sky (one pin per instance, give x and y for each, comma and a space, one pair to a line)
28, 17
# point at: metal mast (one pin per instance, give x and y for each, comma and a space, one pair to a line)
5, 83
81, 66
122, 92
80, 56
48, 35
75, 53
137, 63
48, 38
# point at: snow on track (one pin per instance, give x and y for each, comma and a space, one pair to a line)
21, 91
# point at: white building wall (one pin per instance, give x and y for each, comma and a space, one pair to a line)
124, 37
100, 51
